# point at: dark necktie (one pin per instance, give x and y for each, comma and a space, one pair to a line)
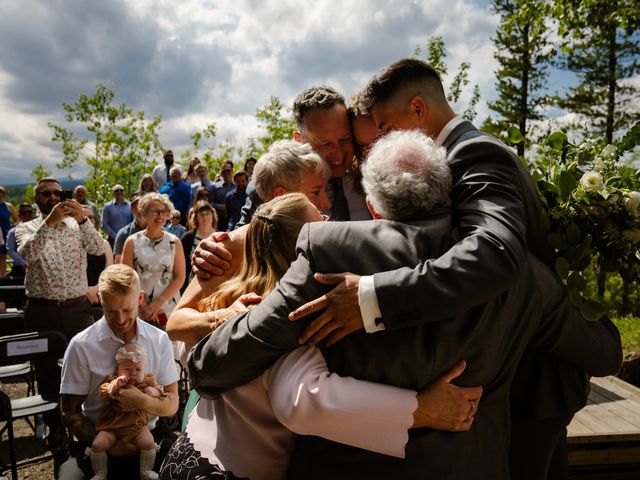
339, 205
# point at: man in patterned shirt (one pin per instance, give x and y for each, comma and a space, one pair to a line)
55, 245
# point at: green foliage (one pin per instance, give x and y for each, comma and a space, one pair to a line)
118, 146
209, 150
629, 328
435, 56
601, 44
276, 119
523, 50
593, 205
39, 172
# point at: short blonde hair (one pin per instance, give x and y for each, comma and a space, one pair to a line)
118, 280
145, 202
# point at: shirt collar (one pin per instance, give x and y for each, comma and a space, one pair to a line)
104, 331
448, 128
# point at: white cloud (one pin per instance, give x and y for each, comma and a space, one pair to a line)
198, 61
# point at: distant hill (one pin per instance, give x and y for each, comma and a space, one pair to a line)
16, 193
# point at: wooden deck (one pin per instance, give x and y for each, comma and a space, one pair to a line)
605, 435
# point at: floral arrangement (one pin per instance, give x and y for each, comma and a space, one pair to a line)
592, 201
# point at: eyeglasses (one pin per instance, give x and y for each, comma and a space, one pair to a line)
119, 190
157, 213
49, 193
176, 218
26, 213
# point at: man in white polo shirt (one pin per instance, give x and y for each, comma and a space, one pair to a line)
90, 357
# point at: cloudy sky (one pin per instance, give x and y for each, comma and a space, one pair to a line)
202, 61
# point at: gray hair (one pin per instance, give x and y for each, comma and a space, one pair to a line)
175, 168
406, 173
285, 165
320, 96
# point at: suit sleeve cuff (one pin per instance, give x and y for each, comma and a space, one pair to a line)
369, 308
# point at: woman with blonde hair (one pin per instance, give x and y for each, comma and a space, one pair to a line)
248, 431
158, 258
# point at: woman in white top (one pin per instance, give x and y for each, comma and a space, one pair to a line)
249, 431
158, 258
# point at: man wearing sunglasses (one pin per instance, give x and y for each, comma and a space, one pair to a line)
55, 245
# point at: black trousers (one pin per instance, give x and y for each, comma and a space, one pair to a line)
67, 319
539, 449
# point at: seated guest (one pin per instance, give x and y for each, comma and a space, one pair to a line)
135, 226
158, 258
89, 359
25, 214
179, 192
236, 199
116, 214
202, 171
174, 225
95, 265
202, 223
146, 184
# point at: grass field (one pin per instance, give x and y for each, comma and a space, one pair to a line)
630, 332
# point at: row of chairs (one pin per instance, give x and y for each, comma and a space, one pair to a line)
23, 349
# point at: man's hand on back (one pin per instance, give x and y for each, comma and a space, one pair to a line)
211, 258
342, 311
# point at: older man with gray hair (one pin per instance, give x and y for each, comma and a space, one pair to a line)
179, 192
405, 175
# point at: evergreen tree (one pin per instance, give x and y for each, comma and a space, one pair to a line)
602, 45
523, 51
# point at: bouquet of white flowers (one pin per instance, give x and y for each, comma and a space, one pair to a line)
592, 202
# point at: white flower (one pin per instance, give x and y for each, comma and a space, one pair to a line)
609, 151
598, 165
591, 181
631, 235
632, 202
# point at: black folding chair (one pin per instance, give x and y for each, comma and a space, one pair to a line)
15, 349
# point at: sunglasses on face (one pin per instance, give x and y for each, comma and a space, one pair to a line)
119, 190
176, 218
26, 212
49, 193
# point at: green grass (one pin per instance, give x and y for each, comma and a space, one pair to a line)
629, 328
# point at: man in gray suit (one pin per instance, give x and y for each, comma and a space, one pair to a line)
407, 177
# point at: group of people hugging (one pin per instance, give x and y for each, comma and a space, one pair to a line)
384, 309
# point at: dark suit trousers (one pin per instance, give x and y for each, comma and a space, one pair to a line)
67, 319
539, 449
